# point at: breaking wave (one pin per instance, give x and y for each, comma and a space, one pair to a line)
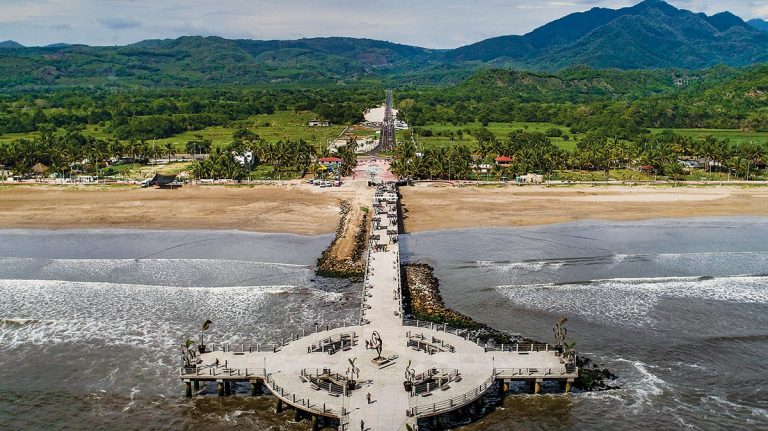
630, 300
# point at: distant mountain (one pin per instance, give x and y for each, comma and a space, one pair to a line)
759, 24
651, 34
10, 44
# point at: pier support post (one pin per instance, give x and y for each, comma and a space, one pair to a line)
537, 386
478, 406
437, 423
220, 387
254, 388
315, 423
279, 406
196, 385
568, 385
297, 416
503, 390
188, 389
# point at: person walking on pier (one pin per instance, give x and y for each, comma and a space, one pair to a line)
362, 425
368, 397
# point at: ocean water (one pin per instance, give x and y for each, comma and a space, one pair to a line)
89, 320
678, 309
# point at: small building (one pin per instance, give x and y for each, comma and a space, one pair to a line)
246, 159
330, 162
482, 168
503, 161
530, 179
165, 181
39, 169
318, 123
690, 164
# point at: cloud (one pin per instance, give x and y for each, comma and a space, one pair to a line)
428, 23
119, 23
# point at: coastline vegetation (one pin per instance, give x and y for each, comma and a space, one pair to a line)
577, 125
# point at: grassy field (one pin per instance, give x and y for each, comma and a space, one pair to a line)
734, 136
441, 133
272, 127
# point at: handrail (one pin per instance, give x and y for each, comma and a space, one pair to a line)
275, 346
453, 403
535, 372
302, 403
213, 371
467, 335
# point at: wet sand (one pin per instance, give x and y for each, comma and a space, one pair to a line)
289, 208
437, 207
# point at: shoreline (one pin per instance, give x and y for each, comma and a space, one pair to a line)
293, 207
440, 207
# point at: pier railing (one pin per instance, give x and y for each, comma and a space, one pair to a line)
301, 403
522, 373
274, 346
212, 371
470, 335
453, 403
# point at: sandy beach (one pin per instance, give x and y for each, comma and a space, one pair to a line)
302, 209
289, 208
437, 207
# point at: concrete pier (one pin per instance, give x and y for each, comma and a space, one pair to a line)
411, 369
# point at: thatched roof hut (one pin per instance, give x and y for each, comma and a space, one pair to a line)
39, 168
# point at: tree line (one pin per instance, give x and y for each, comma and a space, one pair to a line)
534, 152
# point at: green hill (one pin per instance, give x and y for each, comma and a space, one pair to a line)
649, 35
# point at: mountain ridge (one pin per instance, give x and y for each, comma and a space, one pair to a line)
649, 35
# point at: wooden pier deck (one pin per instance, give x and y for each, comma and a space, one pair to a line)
311, 371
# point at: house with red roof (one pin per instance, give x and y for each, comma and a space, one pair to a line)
503, 161
330, 162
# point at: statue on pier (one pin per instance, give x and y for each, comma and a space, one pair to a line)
377, 344
189, 356
563, 346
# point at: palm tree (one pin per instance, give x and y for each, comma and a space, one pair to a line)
169, 148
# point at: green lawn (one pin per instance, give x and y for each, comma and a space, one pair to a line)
501, 130
734, 136
272, 127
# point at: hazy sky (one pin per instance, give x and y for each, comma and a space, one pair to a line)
428, 23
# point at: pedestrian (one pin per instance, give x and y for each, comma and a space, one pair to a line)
368, 397
217, 362
362, 425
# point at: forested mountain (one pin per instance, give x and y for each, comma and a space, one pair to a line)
649, 35
10, 44
759, 24
652, 34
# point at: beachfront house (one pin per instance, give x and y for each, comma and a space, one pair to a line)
482, 168
330, 162
503, 161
